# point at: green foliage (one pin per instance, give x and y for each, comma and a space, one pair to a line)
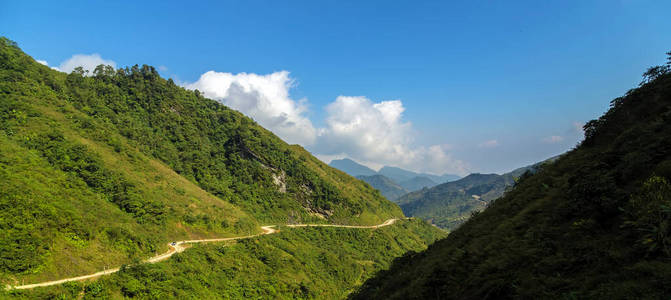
450, 204
77, 160
103, 169
224, 152
297, 263
650, 213
592, 225
219, 149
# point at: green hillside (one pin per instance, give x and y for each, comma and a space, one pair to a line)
102, 170
595, 224
450, 204
308, 263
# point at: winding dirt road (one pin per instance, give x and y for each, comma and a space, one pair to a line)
176, 247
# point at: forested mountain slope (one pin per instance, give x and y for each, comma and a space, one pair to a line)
450, 204
305, 263
594, 224
97, 171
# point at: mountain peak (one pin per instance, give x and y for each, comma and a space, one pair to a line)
352, 167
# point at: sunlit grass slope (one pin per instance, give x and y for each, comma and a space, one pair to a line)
104, 170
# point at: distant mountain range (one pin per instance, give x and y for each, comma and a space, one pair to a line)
392, 182
387, 187
594, 224
400, 175
449, 204
351, 167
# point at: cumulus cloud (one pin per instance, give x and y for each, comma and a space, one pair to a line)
553, 139
87, 61
356, 127
265, 98
375, 132
489, 144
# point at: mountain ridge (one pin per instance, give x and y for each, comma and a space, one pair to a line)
449, 204
387, 187
392, 182
351, 167
104, 168
594, 224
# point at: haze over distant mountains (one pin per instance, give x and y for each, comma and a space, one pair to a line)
450, 204
399, 174
387, 187
351, 167
392, 182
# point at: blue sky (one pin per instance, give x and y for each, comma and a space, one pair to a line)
481, 86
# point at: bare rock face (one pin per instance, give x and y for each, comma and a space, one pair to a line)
281, 181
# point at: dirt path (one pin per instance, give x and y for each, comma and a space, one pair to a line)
386, 223
176, 247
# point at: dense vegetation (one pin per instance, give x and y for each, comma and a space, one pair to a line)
594, 224
305, 263
450, 204
101, 170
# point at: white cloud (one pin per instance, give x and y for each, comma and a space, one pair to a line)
371, 133
265, 98
577, 126
553, 139
44, 62
162, 68
87, 61
489, 144
375, 132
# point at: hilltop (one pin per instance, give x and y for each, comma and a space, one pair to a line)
102, 169
351, 167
